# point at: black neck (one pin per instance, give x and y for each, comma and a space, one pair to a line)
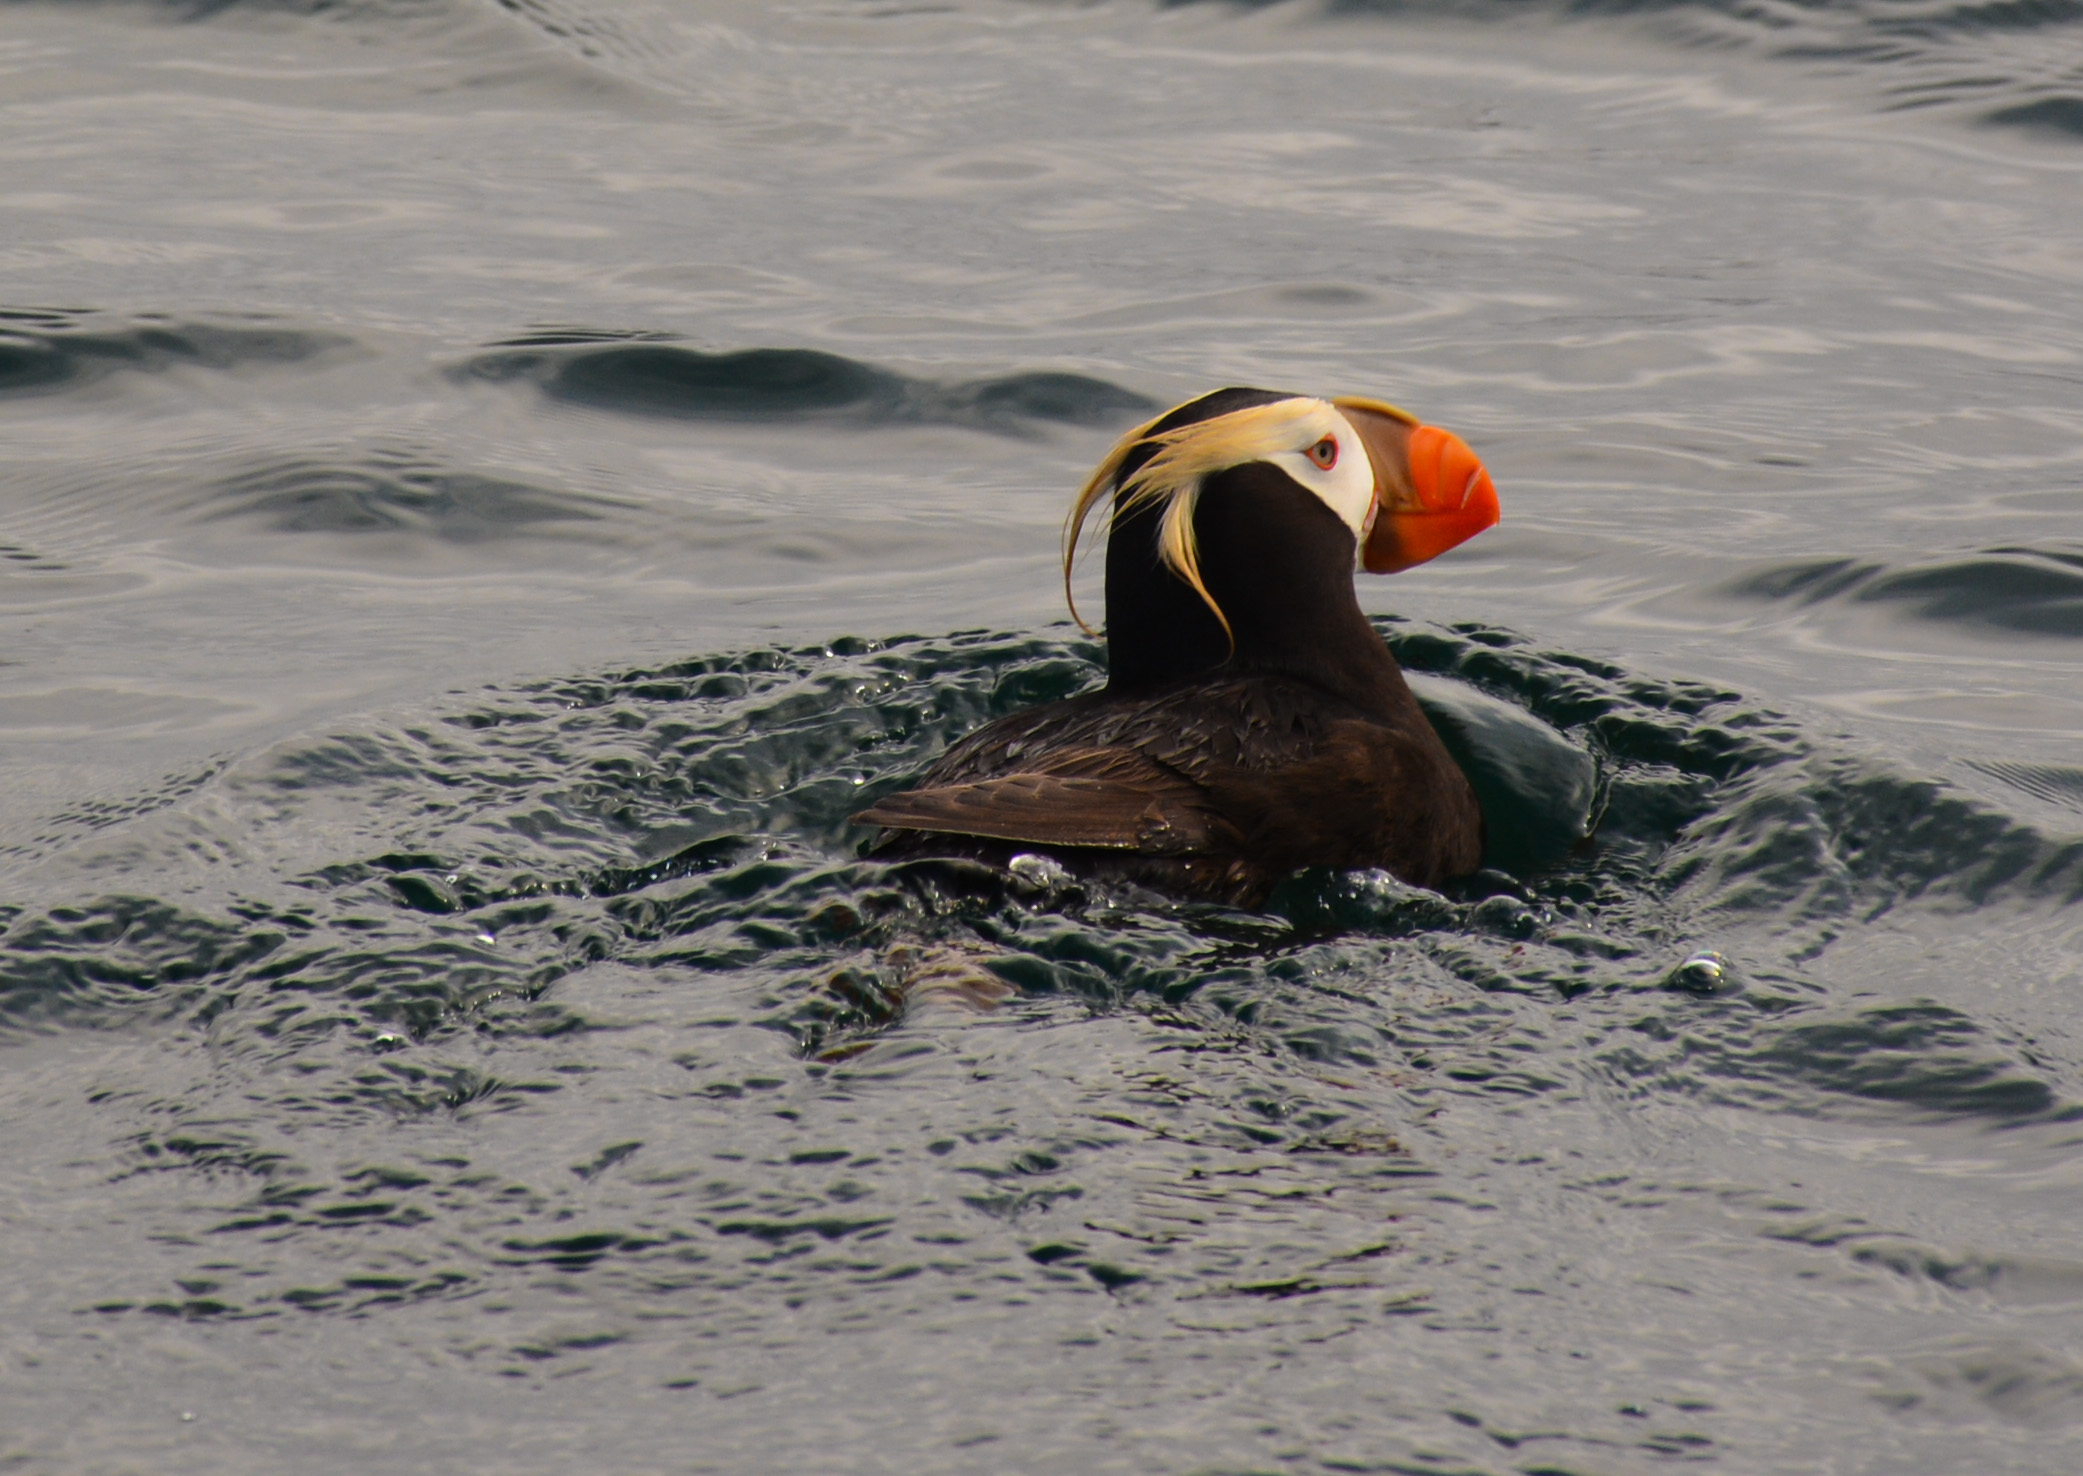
1280, 563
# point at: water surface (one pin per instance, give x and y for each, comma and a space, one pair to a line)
489, 488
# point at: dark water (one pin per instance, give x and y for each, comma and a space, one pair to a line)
489, 487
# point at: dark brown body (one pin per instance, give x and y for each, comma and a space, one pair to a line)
1202, 768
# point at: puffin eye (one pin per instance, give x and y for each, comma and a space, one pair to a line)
1324, 453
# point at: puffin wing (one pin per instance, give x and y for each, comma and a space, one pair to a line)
1111, 798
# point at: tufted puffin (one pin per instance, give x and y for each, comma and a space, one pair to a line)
1252, 721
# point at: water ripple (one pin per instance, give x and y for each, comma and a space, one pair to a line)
44, 350
2014, 591
606, 371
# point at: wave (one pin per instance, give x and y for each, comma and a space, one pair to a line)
2011, 590
347, 10
50, 349
2056, 115
644, 374
396, 491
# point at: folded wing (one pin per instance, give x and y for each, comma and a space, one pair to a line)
1110, 798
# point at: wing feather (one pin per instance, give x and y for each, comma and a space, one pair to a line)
1110, 798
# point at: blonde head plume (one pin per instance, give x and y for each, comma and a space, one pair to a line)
1183, 457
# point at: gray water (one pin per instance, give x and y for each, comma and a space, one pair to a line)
487, 488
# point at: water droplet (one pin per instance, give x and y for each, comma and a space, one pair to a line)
1042, 872
1703, 974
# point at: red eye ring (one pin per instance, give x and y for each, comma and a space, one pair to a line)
1324, 453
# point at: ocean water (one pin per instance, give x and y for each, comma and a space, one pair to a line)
487, 488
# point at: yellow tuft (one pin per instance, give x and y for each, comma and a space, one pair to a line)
1185, 456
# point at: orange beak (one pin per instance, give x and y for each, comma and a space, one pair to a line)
1430, 492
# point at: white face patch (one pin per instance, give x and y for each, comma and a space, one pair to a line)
1346, 485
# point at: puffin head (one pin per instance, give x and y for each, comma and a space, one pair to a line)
1239, 517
